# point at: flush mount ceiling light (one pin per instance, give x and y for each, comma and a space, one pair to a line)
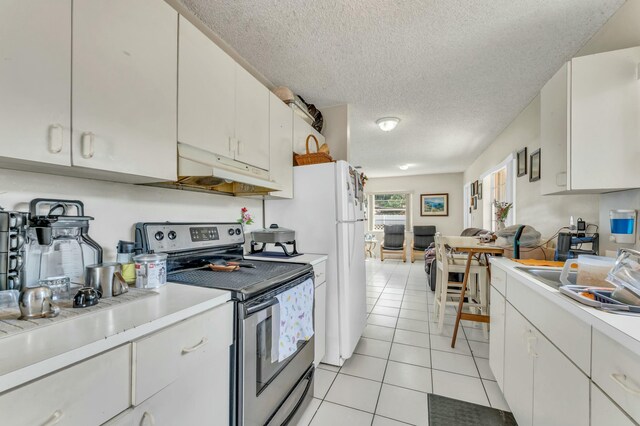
404, 167
387, 124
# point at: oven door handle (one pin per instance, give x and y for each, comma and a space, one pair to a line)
260, 306
301, 400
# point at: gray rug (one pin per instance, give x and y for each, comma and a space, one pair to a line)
445, 411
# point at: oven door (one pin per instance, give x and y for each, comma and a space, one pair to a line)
266, 384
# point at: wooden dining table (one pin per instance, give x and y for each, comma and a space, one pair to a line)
471, 246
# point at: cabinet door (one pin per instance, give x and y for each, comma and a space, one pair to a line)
206, 93
35, 80
604, 412
561, 390
320, 315
554, 131
124, 87
301, 130
518, 366
252, 120
496, 337
605, 130
281, 146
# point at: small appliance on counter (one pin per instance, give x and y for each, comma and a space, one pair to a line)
623, 226
577, 242
59, 244
13, 227
280, 237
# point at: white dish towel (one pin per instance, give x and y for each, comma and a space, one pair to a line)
293, 321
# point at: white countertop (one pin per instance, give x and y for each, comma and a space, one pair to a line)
310, 258
624, 329
34, 353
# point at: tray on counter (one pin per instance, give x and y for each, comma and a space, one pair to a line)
602, 298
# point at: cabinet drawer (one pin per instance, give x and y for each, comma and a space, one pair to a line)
320, 272
617, 371
571, 335
162, 357
88, 393
499, 279
604, 412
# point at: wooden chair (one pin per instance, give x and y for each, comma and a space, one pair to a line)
393, 242
423, 236
447, 292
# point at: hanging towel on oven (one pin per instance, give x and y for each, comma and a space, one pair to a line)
294, 320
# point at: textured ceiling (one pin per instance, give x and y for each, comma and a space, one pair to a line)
456, 72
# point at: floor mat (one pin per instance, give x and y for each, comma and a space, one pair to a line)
445, 411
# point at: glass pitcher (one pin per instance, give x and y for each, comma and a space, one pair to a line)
59, 244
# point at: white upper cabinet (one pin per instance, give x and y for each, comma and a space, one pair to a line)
206, 93
35, 80
124, 87
281, 146
554, 131
252, 120
221, 107
589, 123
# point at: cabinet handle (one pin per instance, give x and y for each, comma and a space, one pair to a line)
53, 419
147, 419
531, 338
196, 347
86, 142
55, 138
622, 380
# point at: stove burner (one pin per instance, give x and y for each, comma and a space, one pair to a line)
241, 281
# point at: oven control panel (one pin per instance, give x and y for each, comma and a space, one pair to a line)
170, 237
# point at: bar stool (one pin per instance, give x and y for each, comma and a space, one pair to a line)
448, 292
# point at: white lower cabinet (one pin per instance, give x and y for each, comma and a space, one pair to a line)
604, 412
518, 366
181, 374
320, 312
560, 389
497, 336
88, 393
541, 385
616, 370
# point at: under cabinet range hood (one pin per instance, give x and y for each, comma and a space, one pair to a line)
200, 170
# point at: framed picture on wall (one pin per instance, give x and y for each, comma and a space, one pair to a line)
473, 189
534, 166
522, 162
475, 203
480, 191
434, 204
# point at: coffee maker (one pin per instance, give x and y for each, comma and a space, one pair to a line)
59, 244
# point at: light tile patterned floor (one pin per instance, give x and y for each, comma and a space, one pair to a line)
401, 357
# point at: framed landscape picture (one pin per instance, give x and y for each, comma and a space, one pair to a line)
534, 166
522, 162
434, 204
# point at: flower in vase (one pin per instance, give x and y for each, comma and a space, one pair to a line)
245, 217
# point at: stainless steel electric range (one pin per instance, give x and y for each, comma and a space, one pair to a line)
266, 391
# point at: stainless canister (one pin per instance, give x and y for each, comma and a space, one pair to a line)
151, 270
100, 276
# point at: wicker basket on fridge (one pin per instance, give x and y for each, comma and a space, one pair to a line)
311, 157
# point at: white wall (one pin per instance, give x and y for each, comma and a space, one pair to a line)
450, 183
336, 131
548, 213
117, 207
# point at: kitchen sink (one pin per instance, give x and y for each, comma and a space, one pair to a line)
548, 276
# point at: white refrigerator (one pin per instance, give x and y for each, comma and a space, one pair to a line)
327, 213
